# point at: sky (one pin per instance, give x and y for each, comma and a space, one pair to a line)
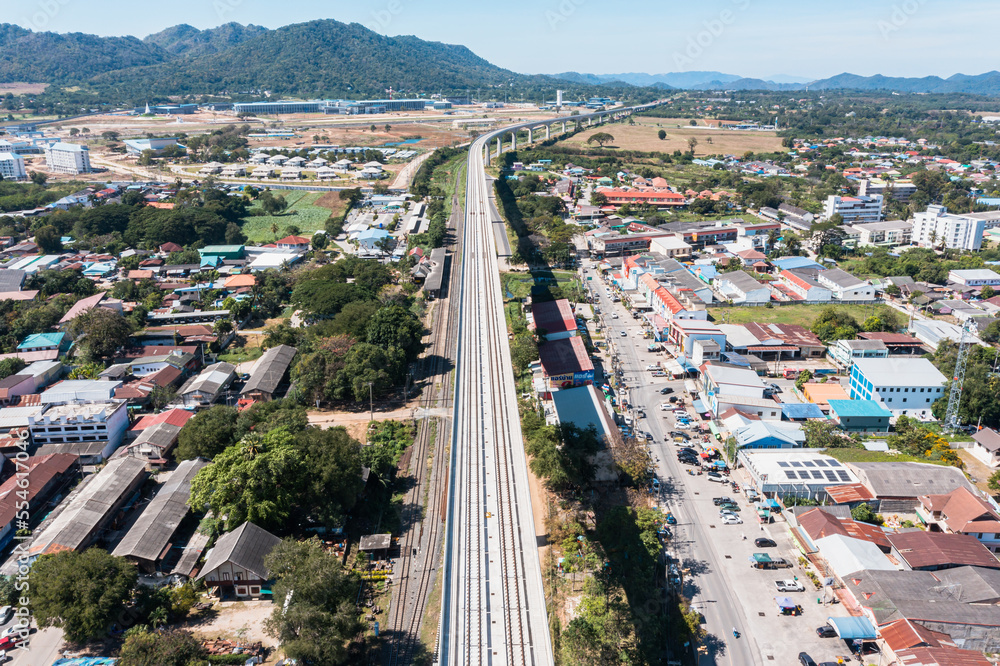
754, 38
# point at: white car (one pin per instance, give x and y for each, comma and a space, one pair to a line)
732, 520
623, 334
718, 478
789, 586
666, 407
683, 426
614, 315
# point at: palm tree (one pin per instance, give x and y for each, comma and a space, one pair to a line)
274, 230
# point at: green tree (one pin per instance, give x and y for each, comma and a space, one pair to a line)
893, 290
153, 648
600, 138
207, 434
824, 435
320, 619
523, 351
993, 483
863, 514
333, 459
803, 378
38, 178
320, 241
48, 240
100, 332
395, 326
987, 292
259, 479
82, 593
662, 135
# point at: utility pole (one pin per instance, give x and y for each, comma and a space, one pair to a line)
371, 402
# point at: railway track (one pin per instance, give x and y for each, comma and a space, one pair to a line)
423, 511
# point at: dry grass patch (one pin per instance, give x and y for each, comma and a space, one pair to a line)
644, 136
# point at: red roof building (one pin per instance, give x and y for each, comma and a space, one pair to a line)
555, 318
566, 363
176, 417
661, 198
933, 551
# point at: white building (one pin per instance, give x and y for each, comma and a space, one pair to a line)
900, 190
12, 167
890, 233
976, 277
67, 158
845, 352
91, 430
936, 227
844, 286
904, 386
741, 288
854, 210
798, 472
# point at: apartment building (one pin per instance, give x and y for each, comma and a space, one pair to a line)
854, 209
12, 167
890, 233
900, 190
67, 158
937, 228
91, 430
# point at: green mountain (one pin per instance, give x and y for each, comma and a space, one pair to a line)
319, 58
185, 40
48, 57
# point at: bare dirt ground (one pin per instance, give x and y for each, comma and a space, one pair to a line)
20, 88
643, 136
227, 618
976, 469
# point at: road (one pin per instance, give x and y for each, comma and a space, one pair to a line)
691, 543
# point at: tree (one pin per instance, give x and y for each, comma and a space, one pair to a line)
893, 291
987, 292
993, 483
662, 134
863, 514
82, 593
598, 198
48, 240
387, 127
395, 326
320, 241
692, 144
333, 459
319, 619
207, 434
100, 332
74, 131
803, 378
170, 648
38, 178
257, 480
600, 138
824, 435
273, 205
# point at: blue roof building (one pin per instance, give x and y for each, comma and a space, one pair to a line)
792, 411
860, 415
44, 342
786, 263
765, 435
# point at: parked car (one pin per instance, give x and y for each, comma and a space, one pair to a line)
687, 460
672, 399
762, 542
684, 425
721, 500
732, 520
718, 478
666, 390
826, 631
726, 512
665, 407
730, 506
653, 366
805, 659
789, 586
670, 518
614, 315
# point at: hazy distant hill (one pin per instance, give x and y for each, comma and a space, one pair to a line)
980, 84
188, 41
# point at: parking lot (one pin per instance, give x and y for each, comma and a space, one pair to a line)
717, 574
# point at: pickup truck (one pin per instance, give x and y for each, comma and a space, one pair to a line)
789, 586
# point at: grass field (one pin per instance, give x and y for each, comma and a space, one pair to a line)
863, 455
18, 88
308, 211
643, 136
803, 315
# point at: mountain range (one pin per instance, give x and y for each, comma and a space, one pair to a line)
330, 58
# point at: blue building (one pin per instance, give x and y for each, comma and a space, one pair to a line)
860, 415
765, 435
904, 386
44, 342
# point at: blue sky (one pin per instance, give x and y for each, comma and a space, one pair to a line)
758, 38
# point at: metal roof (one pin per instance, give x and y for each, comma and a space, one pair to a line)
909, 479
269, 370
853, 628
211, 379
74, 526
155, 527
859, 408
246, 547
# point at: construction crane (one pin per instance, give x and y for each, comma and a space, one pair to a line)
955, 397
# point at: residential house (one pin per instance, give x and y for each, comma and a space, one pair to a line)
801, 285
898, 486
934, 551
961, 511
45, 477
268, 373
742, 289
845, 287
769, 435
235, 565
784, 340
987, 446
204, 390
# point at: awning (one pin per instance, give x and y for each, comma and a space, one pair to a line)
853, 628
699, 406
784, 602
713, 428
761, 558
772, 348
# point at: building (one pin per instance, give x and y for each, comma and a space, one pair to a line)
90, 508
977, 277
67, 158
46, 476
896, 343
80, 390
721, 379
686, 332
817, 524
235, 565
12, 167
961, 511
903, 386
854, 209
784, 341
565, 363
987, 446
845, 287
742, 289
554, 319
205, 388
934, 551
659, 198
900, 190
890, 233
898, 486
822, 393
139, 146
769, 435
268, 373
937, 228
92, 431
845, 352
147, 541
294, 244
860, 415
795, 472
44, 342
801, 285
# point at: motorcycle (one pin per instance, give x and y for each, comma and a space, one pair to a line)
736, 634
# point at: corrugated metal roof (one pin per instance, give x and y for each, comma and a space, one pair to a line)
246, 547
269, 370
211, 379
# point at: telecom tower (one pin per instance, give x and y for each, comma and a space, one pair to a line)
559, 99
955, 397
